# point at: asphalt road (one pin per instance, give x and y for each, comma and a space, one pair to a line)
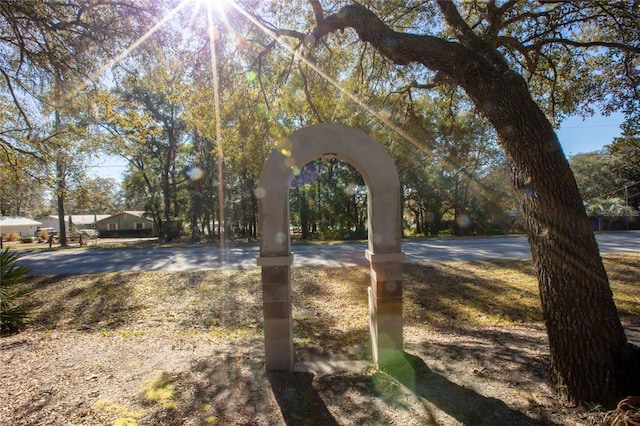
96, 260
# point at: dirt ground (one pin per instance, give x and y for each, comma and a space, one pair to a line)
187, 349
486, 376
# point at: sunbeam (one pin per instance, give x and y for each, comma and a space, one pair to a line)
217, 17
213, 36
219, 5
382, 115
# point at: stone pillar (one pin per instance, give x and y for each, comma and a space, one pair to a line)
385, 307
276, 301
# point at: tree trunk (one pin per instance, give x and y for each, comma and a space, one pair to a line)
304, 215
586, 339
166, 208
210, 217
61, 181
196, 190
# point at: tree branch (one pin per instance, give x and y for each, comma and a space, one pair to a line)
7, 146
291, 33
318, 12
495, 16
515, 44
467, 37
307, 94
401, 48
16, 102
586, 44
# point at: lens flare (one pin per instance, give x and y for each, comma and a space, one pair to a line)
195, 173
251, 76
100, 72
383, 115
260, 192
464, 220
217, 114
351, 189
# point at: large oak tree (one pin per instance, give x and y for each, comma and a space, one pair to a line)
523, 64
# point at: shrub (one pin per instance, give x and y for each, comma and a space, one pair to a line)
11, 236
26, 240
43, 235
12, 317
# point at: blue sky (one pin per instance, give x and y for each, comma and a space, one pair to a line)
108, 167
591, 134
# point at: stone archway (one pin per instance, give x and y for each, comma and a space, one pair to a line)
373, 163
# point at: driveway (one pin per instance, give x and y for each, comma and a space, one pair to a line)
87, 261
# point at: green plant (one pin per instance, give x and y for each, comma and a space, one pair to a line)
12, 317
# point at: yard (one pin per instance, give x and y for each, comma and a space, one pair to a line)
187, 348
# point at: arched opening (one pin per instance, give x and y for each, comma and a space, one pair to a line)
328, 201
373, 163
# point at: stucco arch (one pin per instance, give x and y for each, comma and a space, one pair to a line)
371, 160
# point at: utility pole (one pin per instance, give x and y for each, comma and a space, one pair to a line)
626, 204
626, 196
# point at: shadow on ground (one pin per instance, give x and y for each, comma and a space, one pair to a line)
237, 389
299, 401
463, 404
79, 302
407, 393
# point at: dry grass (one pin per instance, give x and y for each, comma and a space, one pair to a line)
330, 304
187, 302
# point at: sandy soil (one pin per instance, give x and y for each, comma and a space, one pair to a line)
484, 376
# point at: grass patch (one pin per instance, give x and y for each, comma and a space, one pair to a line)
471, 293
160, 390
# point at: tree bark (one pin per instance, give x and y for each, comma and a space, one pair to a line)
61, 181
254, 216
586, 338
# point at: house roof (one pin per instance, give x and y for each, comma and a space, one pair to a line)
82, 219
139, 214
135, 213
17, 221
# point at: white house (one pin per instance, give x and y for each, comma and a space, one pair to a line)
78, 221
18, 224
